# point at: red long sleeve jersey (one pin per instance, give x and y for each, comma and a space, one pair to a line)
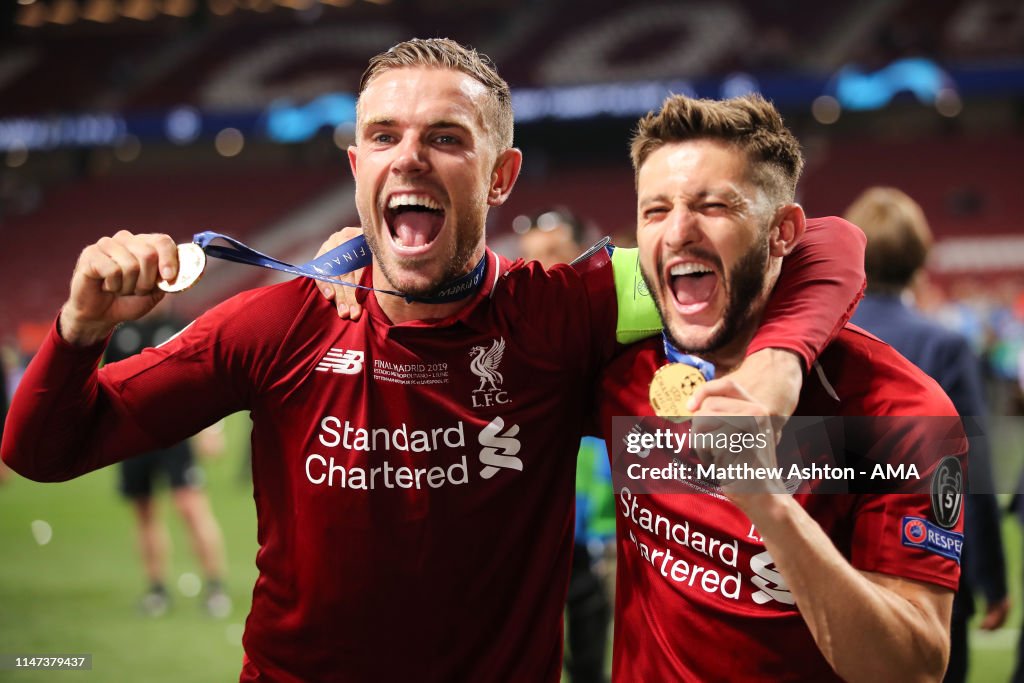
698, 598
413, 483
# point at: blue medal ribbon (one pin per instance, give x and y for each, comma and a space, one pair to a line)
676, 356
345, 258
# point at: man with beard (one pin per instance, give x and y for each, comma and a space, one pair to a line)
412, 470
740, 580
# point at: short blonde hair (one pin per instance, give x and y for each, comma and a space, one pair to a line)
445, 53
899, 238
751, 123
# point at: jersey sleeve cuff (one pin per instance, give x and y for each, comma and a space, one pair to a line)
801, 350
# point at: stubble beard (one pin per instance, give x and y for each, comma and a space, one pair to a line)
744, 289
456, 260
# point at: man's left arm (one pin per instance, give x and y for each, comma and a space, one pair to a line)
881, 614
869, 626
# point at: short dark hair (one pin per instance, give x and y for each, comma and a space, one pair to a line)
899, 238
444, 53
751, 123
559, 215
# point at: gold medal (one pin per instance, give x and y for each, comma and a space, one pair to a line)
191, 263
672, 387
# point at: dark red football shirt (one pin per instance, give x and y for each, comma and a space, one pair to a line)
413, 483
698, 597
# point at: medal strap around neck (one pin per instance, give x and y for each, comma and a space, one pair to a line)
676, 356
345, 258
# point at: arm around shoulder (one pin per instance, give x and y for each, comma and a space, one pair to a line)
821, 282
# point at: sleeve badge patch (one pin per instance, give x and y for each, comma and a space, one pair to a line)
918, 532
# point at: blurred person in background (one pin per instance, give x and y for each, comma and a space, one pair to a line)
557, 236
139, 477
989, 314
593, 563
5, 472
898, 243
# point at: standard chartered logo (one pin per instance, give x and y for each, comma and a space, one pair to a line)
443, 450
499, 450
772, 584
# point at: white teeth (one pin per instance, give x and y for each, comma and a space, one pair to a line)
689, 269
413, 200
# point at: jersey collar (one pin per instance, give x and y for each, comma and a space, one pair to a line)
467, 315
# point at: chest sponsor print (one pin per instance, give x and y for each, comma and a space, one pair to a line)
351, 456
692, 558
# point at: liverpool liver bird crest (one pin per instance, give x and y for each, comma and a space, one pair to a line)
485, 364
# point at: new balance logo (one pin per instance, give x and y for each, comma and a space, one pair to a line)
499, 449
343, 361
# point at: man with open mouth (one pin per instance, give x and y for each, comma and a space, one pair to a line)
738, 577
413, 470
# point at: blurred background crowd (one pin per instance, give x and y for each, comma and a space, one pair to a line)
180, 116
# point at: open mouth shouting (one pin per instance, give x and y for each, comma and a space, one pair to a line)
414, 220
693, 285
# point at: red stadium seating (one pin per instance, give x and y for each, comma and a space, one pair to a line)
39, 250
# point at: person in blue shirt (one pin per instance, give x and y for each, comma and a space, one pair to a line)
898, 242
589, 604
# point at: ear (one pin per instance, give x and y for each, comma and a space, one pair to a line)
352, 156
503, 177
787, 229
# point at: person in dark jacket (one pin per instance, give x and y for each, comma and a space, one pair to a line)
898, 243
